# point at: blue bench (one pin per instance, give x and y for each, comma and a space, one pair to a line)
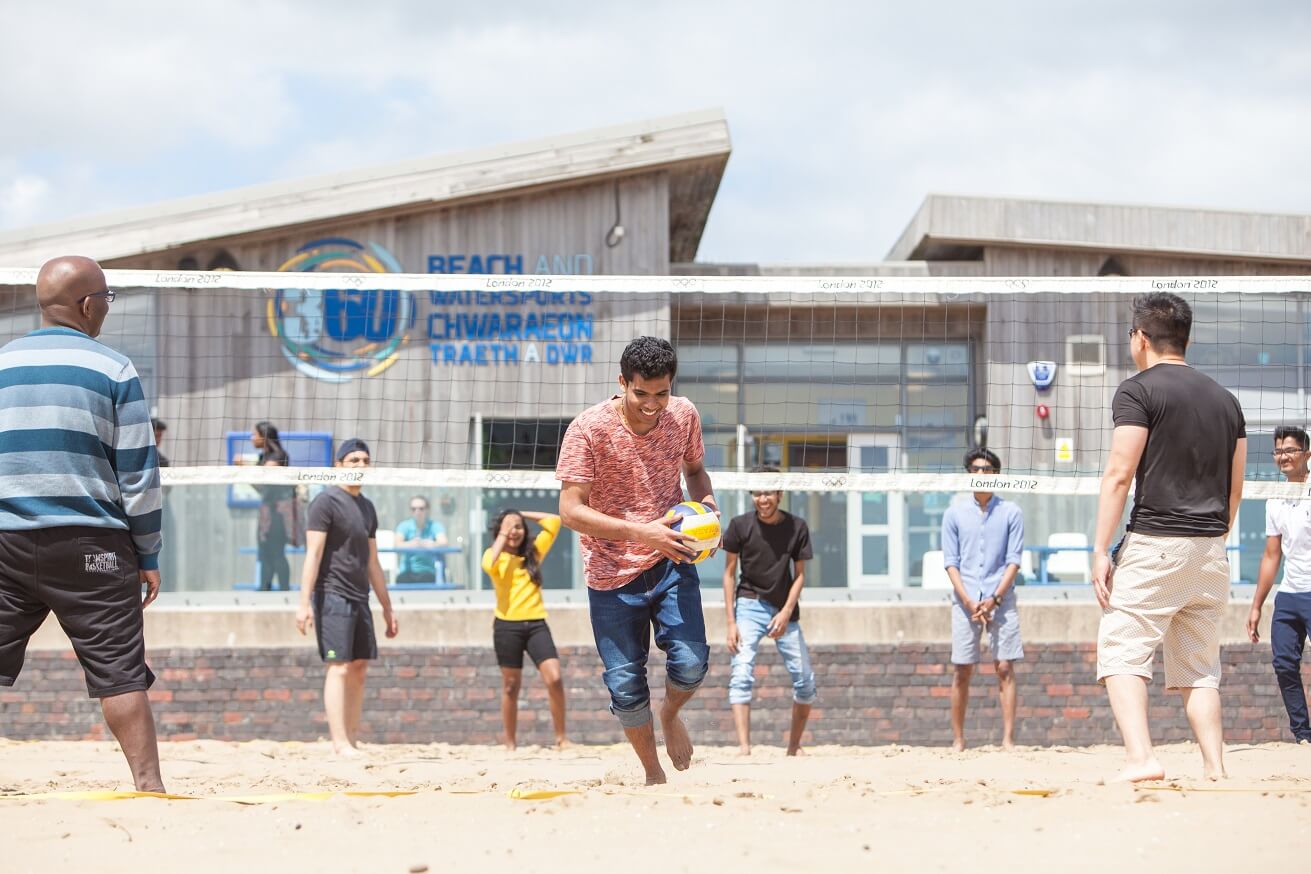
438, 553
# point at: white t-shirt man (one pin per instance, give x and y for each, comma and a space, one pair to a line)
1290, 521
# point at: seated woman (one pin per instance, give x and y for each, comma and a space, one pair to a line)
419, 530
514, 564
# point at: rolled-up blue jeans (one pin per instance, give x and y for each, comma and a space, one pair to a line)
752, 617
668, 598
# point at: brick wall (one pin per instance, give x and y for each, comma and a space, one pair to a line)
868, 694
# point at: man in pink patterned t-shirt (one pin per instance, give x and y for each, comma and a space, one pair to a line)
620, 467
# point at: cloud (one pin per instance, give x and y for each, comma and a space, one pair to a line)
843, 116
21, 197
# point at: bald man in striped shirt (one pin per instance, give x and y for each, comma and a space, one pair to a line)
80, 503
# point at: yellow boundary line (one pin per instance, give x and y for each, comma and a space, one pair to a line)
515, 794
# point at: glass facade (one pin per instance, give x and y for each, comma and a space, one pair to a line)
1256, 346
871, 406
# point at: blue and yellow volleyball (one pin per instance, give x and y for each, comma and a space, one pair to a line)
698, 521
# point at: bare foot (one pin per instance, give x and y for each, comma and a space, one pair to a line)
678, 746
347, 752
796, 751
958, 745
744, 750
1008, 745
562, 743
511, 746
656, 777
1136, 773
1214, 774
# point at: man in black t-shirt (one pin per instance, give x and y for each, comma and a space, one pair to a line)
1181, 439
341, 564
773, 547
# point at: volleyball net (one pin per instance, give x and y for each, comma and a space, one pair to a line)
855, 388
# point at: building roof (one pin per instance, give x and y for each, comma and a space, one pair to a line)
947, 225
694, 147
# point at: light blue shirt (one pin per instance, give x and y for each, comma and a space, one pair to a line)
981, 543
418, 562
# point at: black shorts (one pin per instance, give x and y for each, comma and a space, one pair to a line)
89, 578
343, 628
512, 638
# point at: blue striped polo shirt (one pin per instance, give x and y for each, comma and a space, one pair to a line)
76, 445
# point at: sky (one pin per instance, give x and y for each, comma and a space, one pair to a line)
843, 116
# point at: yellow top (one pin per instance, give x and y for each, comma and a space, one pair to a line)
518, 598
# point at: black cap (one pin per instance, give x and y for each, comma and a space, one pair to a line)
352, 444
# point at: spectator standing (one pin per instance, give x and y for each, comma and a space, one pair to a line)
279, 524
1288, 535
1182, 440
82, 535
514, 564
159, 428
773, 546
982, 545
341, 564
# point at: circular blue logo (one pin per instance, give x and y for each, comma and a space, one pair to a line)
338, 334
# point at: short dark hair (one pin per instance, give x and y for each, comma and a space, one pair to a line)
1285, 431
158, 424
649, 358
1165, 319
986, 454
766, 468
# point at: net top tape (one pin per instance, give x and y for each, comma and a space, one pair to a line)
837, 285
722, 480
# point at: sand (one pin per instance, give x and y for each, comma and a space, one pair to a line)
836, 809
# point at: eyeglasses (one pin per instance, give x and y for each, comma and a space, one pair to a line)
1285, 451
981, 469
1146, 335
108, 294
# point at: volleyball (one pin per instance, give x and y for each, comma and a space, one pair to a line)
699, 522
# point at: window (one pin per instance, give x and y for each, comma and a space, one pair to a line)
1248, 342
522, 444
1085, 355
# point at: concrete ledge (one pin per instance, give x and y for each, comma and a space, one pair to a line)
825, 624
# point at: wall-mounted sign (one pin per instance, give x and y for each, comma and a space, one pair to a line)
1065, 450
1041, 373
337, 335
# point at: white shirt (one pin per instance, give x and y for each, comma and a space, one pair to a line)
1291, 522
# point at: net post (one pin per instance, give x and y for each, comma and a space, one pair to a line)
741, 465
474, 562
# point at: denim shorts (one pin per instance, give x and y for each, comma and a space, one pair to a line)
666, 597
753, 617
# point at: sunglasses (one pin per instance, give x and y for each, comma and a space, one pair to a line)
108, 294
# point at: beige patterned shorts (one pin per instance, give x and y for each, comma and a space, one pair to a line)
1172, 590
